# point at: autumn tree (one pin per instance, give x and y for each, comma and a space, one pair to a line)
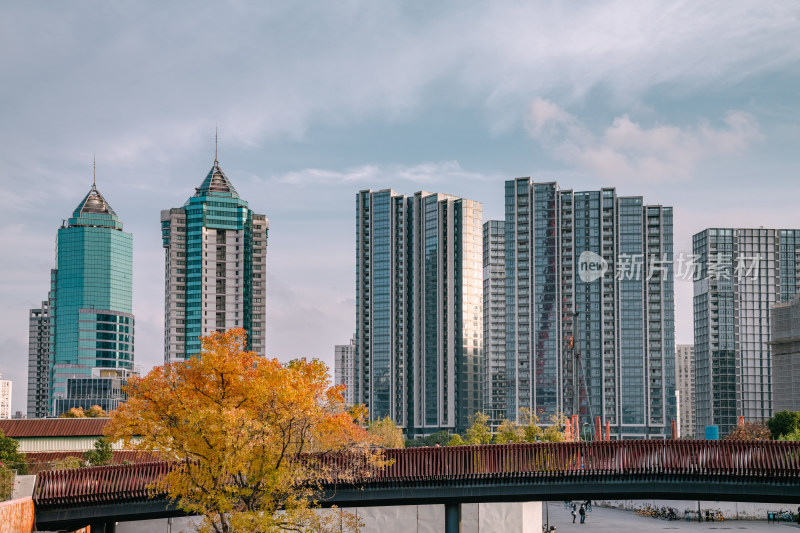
386, 433
94, 411
750, 431
240, 428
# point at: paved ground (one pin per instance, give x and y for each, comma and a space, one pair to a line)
605, 520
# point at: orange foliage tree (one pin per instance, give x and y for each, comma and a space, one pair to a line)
240, 428
750, 431
94, 411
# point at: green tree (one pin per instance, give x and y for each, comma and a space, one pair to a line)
10, 456
531, 432
67, 463
783, 422
455, 440
386, 433
440, 437
479, 431
792, 435
509, 432
555, 432
6, 483
101, 455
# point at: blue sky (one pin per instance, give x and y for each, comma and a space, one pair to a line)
689, 104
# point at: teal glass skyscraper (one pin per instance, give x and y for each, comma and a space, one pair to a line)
87, 322
215, 254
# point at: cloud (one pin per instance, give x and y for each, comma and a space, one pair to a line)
137, 84
628, 151
423, 173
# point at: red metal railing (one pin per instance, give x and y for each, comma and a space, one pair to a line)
752, 459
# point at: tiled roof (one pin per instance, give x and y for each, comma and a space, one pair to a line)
53, 427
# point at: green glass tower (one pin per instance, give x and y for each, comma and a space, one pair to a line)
88, 316
215, 254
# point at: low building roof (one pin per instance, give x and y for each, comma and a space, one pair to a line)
53, 427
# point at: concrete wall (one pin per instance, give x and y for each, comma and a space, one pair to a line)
23, 486
475, 518
16, 516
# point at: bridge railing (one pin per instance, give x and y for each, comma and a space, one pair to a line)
763, 459
755, 459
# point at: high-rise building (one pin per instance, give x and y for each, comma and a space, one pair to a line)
684, 380
39, 351
215, 256
590, 312
5, 398
419, 309
344, 369
785, 343
87, 321
495, 380
740, 274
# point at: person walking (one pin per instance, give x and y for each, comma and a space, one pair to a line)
582, 511
573, 512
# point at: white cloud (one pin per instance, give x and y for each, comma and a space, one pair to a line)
628, 151
423, 173
133, 86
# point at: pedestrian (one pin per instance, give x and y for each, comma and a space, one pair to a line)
583, 513
573, 512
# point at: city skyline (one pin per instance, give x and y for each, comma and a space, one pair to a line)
312, 116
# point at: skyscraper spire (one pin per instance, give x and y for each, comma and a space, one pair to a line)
216, 142
94, 171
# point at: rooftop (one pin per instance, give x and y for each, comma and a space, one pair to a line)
216, 184
53, 427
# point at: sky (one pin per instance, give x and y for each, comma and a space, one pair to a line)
694, 105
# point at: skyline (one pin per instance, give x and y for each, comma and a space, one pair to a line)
317, 103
